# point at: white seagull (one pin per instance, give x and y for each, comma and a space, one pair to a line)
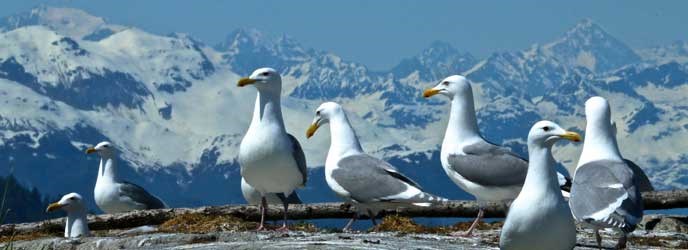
370, 184
271, 160
605, 191
487, 171
540, 218
113, 195
76, 224
253, 197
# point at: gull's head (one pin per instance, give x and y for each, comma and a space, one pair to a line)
455, 86
546, 133
597, 111
323, 114
263, 78
103, 149
69, 202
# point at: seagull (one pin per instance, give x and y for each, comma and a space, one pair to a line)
605, 191
114, 195
368, 183
271, 160
76, 224
540, 218
253, 197
487, 171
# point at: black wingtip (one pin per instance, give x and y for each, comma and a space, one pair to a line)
567, 185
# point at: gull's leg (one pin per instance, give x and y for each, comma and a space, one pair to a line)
481, 212
469, 232
598, 238
284, 227
263, 211
372, 217
347, 228
622, 241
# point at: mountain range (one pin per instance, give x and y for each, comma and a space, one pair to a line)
170, 104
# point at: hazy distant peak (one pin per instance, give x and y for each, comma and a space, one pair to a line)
66, 21
588, 45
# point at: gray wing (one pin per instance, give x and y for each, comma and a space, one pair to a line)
642, 181
299, 157
490, 165
368, 179
141, 196
604, 194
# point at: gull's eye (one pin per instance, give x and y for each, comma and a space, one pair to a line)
445, 83
265, 74
105, 146
545, 128
72, 198
317, 112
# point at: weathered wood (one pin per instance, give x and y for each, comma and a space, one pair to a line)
653, 200
665, 199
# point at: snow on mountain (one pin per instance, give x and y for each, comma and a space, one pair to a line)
319, 76
59, 67
172, 63
541, 82
248, 49
311, 74
436, 62
515, 89
67, 21
588, 45
676, 52
171, 103
138, 90
528, 73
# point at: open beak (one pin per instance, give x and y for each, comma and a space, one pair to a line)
311, 129
245, 81
430, 92
53, 207
91, 150
572, 136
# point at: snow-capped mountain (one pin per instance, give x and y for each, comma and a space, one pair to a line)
588, 45
70, 22
170, 103
435, 62
674, 52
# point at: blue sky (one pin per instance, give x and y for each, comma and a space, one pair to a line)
381, 33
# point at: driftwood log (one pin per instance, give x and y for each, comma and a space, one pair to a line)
653, 201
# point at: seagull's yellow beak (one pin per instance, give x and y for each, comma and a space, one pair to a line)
430, 92
91, 150
573, 136
245, 81
311, 130
53, 207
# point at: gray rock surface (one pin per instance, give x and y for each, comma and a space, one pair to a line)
487, 239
